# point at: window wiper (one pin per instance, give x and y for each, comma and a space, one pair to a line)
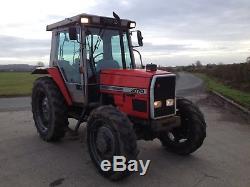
100, 35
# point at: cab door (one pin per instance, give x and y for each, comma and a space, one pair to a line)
69, 60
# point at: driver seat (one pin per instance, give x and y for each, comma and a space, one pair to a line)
106, 64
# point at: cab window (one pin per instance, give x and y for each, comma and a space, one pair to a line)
69, 57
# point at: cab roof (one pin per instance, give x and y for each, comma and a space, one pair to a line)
92, 20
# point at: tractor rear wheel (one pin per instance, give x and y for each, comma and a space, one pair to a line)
49, 109
190, 135
110, 133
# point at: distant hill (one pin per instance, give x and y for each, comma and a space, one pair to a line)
17, 68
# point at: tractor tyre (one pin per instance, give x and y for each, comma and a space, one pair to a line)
110, 133
189, 136
49, 109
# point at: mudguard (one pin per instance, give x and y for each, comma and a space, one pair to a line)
55, 74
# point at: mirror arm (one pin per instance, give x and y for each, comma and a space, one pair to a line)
142, 66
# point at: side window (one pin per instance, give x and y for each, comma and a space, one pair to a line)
69, 58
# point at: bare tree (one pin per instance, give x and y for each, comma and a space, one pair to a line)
248, 60
198, 63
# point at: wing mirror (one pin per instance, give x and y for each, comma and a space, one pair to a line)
139, 42
140, 38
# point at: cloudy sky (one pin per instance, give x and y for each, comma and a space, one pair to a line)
177, 32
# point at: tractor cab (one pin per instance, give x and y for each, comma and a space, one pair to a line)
84, 45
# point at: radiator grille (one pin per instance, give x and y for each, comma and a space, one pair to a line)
164, 88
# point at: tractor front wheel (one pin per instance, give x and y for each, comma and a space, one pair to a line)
49, 109
189, 136
110, 133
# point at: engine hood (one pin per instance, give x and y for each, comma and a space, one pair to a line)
132, 78
134, 72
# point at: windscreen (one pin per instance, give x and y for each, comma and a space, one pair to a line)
104, 50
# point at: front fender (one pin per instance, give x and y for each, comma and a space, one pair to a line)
55, 74
41, 70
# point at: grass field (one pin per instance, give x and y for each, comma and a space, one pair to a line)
240, 97
16, 84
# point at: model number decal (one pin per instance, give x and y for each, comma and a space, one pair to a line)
138, 91
124, 89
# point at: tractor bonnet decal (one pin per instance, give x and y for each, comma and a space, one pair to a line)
124, 89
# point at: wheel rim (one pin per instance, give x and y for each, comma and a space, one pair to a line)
103, 142
180, 134
43, 112
45, 108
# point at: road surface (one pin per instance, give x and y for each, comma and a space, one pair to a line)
15, 104
223, 160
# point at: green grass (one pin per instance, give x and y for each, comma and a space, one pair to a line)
16, 83
240, 97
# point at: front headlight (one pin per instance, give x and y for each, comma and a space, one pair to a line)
169, 102
157, 104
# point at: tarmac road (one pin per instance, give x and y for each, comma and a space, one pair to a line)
15, 104
223, 160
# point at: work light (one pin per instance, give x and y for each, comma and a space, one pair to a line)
84, 20
132, 25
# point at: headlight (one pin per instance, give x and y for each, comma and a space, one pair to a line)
157, 104
169, 102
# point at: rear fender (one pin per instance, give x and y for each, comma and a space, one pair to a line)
55, 74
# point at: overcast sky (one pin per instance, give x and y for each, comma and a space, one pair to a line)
177, 32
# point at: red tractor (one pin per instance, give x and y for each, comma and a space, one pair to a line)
93, 78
